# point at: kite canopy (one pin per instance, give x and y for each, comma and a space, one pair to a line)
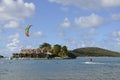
27, 30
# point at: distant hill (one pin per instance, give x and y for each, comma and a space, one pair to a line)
94, 51
1, 56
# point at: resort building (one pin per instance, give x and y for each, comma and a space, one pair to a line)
33, 53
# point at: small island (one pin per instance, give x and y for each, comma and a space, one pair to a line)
45, 51
1, 56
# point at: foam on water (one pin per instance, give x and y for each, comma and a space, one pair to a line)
93, 63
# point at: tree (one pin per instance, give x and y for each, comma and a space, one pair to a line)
15, 55
63, 52
64, 49
56, 49
60, 54
71, 55
45, 45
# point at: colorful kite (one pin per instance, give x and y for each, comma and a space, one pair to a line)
27, 30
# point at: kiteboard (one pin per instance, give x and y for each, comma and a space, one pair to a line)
93, 62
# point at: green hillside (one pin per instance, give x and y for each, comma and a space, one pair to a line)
94, 51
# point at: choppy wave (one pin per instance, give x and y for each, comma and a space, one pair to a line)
76, 69
1, 62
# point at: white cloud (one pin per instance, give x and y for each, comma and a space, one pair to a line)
79, 3
65, 9
61, 33
86, 44
72, 42
89, 4
92, 31
116, 16
110, 3
15, 10
80, 43
0, 38
38, 34
116, 35
29, 47
89, 34
1, 30
89, 21
12, 24
14, 41
13, 45
15, 36
66, 23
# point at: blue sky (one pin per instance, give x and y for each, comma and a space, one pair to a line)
74, 23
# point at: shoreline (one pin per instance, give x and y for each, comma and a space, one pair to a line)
59, 58
56, 58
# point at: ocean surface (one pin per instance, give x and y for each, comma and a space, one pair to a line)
102, 68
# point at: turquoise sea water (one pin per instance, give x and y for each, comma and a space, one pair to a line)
102, 68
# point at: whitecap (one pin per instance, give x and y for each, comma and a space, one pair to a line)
93, 63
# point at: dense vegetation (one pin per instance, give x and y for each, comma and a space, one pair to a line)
94, 51
58, 50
